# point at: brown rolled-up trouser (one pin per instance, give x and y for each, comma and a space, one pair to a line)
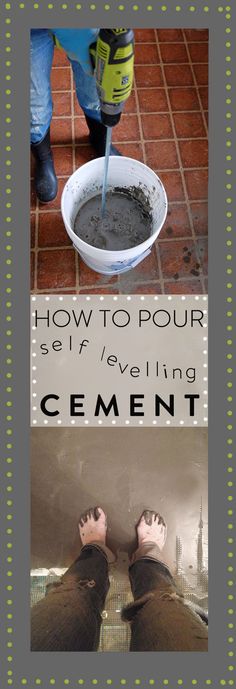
69, 617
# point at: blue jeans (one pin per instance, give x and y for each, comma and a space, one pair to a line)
41, 105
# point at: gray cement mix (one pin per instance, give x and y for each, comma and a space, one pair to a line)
127, 221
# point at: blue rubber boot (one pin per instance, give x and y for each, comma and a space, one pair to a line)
97, 137
45, 178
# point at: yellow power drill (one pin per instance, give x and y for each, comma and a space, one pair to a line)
113, 55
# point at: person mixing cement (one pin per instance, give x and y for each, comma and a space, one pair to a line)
69, 617
76, 43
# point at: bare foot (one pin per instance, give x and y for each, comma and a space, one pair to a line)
93, 526
152, 528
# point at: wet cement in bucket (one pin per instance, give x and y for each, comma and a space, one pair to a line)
127, 221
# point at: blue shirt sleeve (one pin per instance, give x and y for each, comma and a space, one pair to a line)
76, 43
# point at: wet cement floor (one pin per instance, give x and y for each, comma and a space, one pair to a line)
125, 224
125, 471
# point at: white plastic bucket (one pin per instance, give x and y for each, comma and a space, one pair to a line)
86, 182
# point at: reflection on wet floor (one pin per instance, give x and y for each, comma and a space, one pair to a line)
125, 471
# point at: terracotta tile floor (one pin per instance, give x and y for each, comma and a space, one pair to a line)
165, 126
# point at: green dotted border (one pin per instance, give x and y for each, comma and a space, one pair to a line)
229, 342
7, 239
225, 11
222, 9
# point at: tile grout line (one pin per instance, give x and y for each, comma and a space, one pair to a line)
205, 125
136, 141
171, 203
182, 174
141, 141
157, 246
183, 87
163, 170
153, 64
141, 138
174, 135
197, 87
137, 42
142, 88
143, 283
148, 64
169, 240
74, 167
142, 112
167, 63
36, 243
145, 162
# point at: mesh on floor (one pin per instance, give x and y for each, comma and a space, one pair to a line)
115, 634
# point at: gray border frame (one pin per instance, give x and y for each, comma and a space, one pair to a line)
19, 666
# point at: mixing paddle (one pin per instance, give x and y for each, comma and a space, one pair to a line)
106, 163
